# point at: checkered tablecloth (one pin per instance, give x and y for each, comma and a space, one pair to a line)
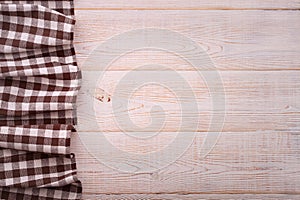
39, 82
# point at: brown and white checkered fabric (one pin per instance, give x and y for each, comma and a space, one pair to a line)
54, 117
39, 82
54, 139
27, 169
67, 192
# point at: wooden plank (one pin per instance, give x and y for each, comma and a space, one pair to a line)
191, 197
263, 162
235, 40
191, 4
253, 101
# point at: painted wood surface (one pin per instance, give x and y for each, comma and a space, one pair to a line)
253, 101
262, 162
253, 45
234, 40
192, 197
191, 4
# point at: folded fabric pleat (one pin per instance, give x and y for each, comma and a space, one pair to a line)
39, 83
67, 192
65, 7
54, 117
27, 169
26, 95
54, 139
27, 27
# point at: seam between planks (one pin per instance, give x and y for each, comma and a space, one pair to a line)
199, 193
187, 9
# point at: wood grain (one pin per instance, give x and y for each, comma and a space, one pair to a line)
191, 4
262, 162
234, 40
191, 197
253, 101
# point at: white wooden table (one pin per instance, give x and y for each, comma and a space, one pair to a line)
255, 47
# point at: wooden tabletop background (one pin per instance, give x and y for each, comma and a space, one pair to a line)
254, 45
